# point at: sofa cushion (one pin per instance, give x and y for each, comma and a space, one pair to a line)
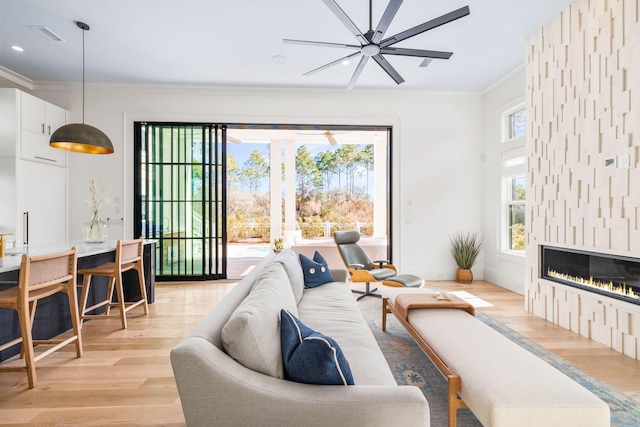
310, 357
252, 334
292, 267
316, 271
332, 309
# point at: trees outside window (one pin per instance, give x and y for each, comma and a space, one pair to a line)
332, 187
516, 123
516, 212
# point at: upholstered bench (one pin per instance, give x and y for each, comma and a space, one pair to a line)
502, 383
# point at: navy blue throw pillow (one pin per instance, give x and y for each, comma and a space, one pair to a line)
310, 357
316, 271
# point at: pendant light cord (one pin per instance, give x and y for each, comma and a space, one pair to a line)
83, 31
84, 27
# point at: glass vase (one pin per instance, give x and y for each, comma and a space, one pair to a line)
94, 230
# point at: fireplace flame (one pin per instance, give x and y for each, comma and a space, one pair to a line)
614, 288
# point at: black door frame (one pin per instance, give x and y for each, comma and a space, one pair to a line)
214, 200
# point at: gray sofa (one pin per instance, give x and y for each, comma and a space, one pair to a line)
215, 389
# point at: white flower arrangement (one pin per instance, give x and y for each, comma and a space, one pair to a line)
99, 196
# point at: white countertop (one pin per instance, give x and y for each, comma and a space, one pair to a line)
13, 256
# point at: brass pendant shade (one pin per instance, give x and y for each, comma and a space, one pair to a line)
80, 137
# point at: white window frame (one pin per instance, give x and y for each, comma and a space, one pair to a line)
505, 230
512, 165
506, 124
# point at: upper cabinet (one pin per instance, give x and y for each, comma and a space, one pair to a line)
26, 124
38, 120
33, 176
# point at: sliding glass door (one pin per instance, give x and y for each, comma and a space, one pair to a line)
180, 199
215, 208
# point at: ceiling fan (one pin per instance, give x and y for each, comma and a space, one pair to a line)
372, 44
328, 134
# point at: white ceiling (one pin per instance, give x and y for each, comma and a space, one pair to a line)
232, 43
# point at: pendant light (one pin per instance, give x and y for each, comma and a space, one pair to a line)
80, 137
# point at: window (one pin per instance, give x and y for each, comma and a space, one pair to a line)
513, 179
515, 211
516, 124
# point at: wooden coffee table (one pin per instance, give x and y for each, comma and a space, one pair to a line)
405, 302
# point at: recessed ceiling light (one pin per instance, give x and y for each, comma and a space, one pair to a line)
279, 59
18, 48
345, 62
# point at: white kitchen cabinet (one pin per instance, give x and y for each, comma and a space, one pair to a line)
34, 202
38, 120
33, 183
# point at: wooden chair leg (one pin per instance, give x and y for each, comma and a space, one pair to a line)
24, 319
21, 334
32, 316
75, 317
121, 303
143, 288
112, 281
86, 283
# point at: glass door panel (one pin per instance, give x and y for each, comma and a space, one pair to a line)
179, 175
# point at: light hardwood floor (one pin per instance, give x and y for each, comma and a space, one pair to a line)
125, 376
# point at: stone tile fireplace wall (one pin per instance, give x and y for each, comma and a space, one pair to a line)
583, 150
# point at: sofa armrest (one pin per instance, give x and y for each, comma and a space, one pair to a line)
339, 275
216, 390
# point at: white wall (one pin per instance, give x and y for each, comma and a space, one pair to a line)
437, 144
502, 269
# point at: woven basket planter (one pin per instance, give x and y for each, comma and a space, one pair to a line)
464, 276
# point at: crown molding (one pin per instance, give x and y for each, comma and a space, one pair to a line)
16, 78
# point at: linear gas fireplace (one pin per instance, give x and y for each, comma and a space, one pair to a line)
613, 276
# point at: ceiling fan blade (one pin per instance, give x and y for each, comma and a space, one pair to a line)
330, 137
321, 44
388, 68
387, 17
416, 52
331, 64
337, 10
426, 26
358, 71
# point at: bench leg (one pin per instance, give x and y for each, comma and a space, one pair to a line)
454, 386
453, 380
385, 310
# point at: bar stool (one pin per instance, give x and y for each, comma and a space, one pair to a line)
41, 276
128, 257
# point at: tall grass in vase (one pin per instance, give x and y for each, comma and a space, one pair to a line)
465, 249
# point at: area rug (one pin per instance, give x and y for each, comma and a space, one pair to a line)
411, 366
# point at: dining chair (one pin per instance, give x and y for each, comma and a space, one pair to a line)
128, 257
40, 277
